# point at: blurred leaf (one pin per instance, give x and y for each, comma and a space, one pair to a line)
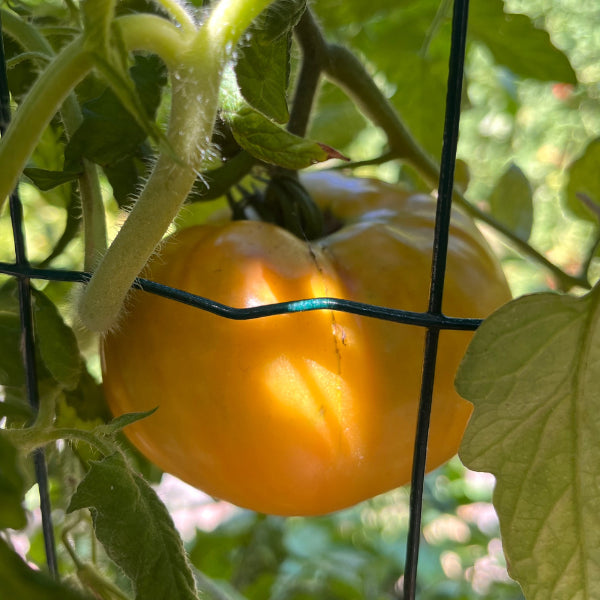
12, 487
97, 18
336, 121
110, 137
136, 530
584, 178
22, 68
270, 143
532, 372
517, 44
20, 582
56, 342
511, 202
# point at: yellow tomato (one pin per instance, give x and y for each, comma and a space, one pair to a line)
302, 413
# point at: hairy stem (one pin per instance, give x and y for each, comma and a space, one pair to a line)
196, 81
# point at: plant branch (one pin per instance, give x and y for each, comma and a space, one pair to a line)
201, 59
313, 51
345, 70
42, 102
92, 207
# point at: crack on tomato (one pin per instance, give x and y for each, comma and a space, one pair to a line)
335, 328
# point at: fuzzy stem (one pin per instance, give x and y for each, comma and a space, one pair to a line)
43, 101
196, 83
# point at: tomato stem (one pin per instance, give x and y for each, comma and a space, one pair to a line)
195, 81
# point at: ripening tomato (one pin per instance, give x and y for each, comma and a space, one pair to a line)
302, 413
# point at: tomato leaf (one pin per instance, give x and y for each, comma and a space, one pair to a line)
263, 67
136, 530
12, 487
47, 180
268, 142
532, 373
511, 202
110, 137
262, 73
56, 342
583, 189
119, 423
516, 43
21, 582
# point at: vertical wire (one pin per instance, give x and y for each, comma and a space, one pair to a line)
27, 330
438, 269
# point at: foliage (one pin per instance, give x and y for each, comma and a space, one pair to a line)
97, 128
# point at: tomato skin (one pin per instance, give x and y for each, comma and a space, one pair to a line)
303, 413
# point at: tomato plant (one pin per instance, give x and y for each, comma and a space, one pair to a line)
130, 118
301, 413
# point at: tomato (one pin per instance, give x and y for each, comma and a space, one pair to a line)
303, 413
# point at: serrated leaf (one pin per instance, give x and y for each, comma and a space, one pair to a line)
584, 179
516, 43
262, 73
279, 18
268, 142
532, 373
136, 530
263, 66
20, 582
12, 486
511, 202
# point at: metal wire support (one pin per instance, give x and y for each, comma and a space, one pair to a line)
27, 330
438, 269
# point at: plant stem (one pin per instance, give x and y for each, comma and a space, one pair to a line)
42, 102
308, 80
346, 71
195, 82
178, 11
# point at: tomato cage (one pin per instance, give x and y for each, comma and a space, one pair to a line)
433, 320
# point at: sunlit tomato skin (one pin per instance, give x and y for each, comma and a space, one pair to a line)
303, 413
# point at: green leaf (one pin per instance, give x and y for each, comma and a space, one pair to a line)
583, 188
123, 421
511, 202
56, 342
263, 66
12, 487
136, 530
20, 582
47, 180
336, 121
262, 73
532, 373
268, 142
516, 43
108, 133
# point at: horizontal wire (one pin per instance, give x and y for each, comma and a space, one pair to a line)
420, 319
